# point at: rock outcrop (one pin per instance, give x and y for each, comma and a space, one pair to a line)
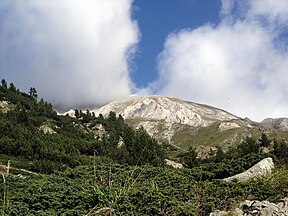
257, 208
227, 126
263, 167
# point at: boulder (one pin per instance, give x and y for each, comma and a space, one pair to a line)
47, 129
263, 167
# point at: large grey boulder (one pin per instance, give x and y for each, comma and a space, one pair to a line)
263, 167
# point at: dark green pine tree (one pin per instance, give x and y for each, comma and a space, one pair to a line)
77, 113
12, 87
249, 145
264, 141
220, 155
190, 157
4, 84
33, 93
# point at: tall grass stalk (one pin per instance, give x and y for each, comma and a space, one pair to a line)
5, 192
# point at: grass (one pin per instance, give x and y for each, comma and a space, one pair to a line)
273, 186
186, 136
206, 136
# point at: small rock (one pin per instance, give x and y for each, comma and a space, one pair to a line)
218, 213
47, 129
120, 143
173, 164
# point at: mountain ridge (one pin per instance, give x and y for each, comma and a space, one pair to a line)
184, 123
169, 117
142, 106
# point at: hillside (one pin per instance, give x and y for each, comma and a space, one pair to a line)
31, 128
91, 164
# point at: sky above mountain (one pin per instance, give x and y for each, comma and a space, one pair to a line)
226, 53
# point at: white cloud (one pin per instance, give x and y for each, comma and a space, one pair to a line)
74, 52
227, 6
236, 65
275, 10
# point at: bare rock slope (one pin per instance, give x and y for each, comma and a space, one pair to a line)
171, 110
163, 116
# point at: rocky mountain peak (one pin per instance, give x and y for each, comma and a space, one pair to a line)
163, 116
167, 109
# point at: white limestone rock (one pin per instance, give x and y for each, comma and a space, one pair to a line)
47, 129
5, 106
263, 167
173, 164
227, 126
120, 143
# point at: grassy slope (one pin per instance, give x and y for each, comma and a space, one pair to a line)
210, 136
186, 136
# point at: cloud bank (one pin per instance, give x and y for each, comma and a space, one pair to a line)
239, 64
75, 52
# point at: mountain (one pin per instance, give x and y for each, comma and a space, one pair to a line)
280, 124
181, 123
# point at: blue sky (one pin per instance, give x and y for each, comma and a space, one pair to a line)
157, 19
225, 53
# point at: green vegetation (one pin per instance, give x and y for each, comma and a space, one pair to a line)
92, 165
139, 190
70, 140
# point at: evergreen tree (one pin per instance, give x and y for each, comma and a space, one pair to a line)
281, 151
249, 145
101, 116
220, 155
4, 84
77, 114
264, 141
87, 117
33, 93
112, 117
12, 87
189, 158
